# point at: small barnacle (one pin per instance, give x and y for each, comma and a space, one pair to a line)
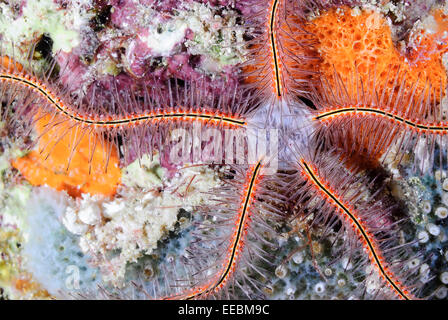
426, 206
433, 229
414, 263
445, 185
441, 292
290, 291
319, 288
268, 290
281, 271
148, 271
444, 277
170, 258
298, 258
422, 236
341, 282
442, 212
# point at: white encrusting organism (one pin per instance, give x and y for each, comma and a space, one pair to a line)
72, 223
145, 209
90, 214
45, 16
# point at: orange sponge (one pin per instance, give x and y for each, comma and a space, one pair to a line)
52, 171
349, 38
